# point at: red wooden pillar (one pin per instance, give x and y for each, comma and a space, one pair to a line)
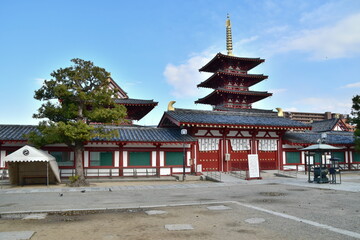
280, 163
192, 159
222, 163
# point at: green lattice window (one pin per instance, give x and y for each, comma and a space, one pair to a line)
101, 159
139, 159
318, 157
356, 157
64, 158
293, 157
174, 158
339, 155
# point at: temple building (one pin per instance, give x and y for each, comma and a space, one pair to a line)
197, 141
136, 108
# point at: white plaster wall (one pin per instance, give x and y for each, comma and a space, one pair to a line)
162, 159
215, 132
302, 157
232, 133
195, 156
246, 133
116, 159
273, 134
165, 171
2, 155
200, 133
180, 170
125, 159
86, 158
284, 158
261, 134
188, 155
153, 158
243, 133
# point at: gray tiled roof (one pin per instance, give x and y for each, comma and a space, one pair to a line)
149, 134
312, 137
325, 125
244, 118
252, 111
134, 101
15, 132
126, 134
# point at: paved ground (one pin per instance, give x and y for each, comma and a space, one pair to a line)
275, 208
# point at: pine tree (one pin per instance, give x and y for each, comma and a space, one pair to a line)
75, 97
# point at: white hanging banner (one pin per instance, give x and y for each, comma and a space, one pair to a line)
238, 144
208, 144
268, 144
253, 164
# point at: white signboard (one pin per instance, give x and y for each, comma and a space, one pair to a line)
253, 163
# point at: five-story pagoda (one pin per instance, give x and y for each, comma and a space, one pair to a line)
231, 81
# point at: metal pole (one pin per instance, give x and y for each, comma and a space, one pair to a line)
47, 173
184, 159
184, 132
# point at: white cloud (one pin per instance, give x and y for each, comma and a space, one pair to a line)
340, 40
325, 105
277, 29
325, 13
247, 40
352, 85
290, 109
276, 91
185, 77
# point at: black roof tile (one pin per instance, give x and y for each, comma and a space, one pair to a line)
325, 125
126, 134
15, 132
134, 101
242, 118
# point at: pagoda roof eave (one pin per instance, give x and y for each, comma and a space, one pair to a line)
210, 65
212, 97
256, 78
247, 93
237, 92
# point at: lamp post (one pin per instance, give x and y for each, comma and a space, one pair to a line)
184, 132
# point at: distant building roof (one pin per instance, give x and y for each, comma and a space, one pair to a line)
324, 126
340, 138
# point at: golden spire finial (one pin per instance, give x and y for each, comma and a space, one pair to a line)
229, 46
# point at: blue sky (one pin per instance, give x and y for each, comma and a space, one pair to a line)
154, 48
